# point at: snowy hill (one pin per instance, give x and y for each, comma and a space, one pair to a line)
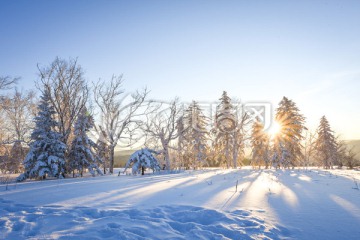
209, 204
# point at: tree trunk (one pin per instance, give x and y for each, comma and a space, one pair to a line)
142, 170
112, 152
167, 158
227, 157
235, 156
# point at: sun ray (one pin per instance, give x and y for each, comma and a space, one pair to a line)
274, 129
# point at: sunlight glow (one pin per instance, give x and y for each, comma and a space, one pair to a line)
274, 129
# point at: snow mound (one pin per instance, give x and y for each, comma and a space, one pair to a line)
19, 221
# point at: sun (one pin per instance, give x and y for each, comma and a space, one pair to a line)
274, 129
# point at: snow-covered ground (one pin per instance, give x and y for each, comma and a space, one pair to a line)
268, 204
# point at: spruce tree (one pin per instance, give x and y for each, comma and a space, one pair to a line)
46, 155
225, 123
325, 144
287, 144
195, 134
81, 154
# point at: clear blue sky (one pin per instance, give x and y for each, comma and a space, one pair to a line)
259, 51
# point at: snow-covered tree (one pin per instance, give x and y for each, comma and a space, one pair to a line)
225, 123
287, 143
82, 155
142, 159
260, 145
195, 135
325, 144
46, 155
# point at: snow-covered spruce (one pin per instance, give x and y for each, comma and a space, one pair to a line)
81, 154
46, 155
326, 145
195, 136
287, 148
142, 159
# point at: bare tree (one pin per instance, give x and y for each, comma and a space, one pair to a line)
68, 92
16, 123
118, 113
6, 82
162, 126
19, 113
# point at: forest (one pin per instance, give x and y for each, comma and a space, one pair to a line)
69, 126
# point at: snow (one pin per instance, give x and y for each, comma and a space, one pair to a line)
204, 204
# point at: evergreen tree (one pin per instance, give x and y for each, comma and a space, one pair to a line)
326, 145
46, 155
142, 159
225, 124
287, 144
81, 154
195, 134
260, 145
102, 150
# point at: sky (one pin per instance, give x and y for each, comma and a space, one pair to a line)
257, 51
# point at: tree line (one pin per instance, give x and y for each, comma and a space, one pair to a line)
76, 126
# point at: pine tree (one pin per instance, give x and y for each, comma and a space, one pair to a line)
260, 145
225, 123
81, 154
287, 144
325, 144
46, 155
195, 135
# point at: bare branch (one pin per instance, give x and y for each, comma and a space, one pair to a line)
6, 82
118, 112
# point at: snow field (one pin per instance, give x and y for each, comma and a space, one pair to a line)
268, 204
